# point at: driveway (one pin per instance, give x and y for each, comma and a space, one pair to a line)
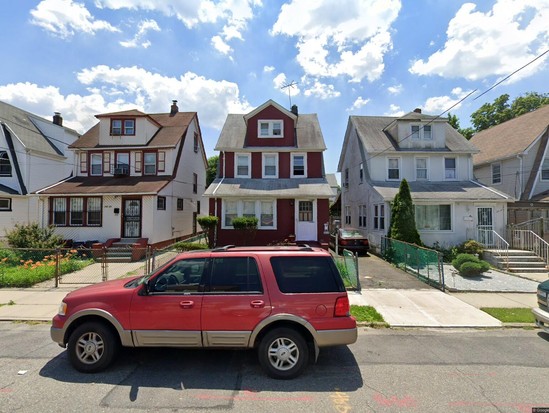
377, 273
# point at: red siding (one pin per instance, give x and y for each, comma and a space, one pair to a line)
257, 165
270, 112
226, 165
284, 165
314, 165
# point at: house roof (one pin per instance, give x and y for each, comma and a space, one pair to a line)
373, 132
442, 191
172, 129
510, 138
22, 124
6, 190
270, 102
309, 134
269, 188
84, 185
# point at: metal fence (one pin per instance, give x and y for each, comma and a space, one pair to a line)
348, 268
426, 264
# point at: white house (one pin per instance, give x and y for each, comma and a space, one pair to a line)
137, 177
33, 154
379, 151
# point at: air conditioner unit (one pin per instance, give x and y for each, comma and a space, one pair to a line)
121, 171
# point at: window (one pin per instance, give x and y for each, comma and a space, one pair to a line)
545, 170
235, 275
298, 166
306, 274
138, 161
161, 203
149, 162
161, 161
198, 207
183, 277
361, 173
122, 166
96, 162
362, 222
248, 208
107, 162
421, 169
270, 165
195, 142
450, 168
83, 162
393, 171
264, 211
231, 212
346, 178
242, 165
422, 132
433, 217
347, 215
305, 211
415, 132
122, 127
496, 173
195, 183
266, 218
76, 211
5, 204
270, 128
427, 132
379, 216
180, 204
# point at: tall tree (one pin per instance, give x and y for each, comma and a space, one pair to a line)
491, 114
211, 173
529, 102
403, 221
453, 120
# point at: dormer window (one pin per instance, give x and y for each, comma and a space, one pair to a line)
424, 132
122, 127
270, 128
5, 165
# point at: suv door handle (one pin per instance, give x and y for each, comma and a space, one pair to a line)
257, 304
186, 304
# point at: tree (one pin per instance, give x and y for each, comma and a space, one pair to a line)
211, 173
209, 224
403, 221
453, 120
32, 236
529, 102
491, 114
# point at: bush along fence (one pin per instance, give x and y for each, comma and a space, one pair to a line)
347, 265
424, 263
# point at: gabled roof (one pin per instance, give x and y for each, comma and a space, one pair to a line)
270, 102
309, 134
510, 138
22, 124
172, 129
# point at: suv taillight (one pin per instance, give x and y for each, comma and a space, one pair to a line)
342, 308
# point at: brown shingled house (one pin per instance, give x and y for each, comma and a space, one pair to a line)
514, 158
137, 177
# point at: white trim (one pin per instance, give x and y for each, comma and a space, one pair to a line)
292, 156
427, 177
492, 173
456, 177
387, 159
257, 211
270, 123
263, 157
249, 157
92, 155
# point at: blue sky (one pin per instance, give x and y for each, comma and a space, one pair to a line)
346, 57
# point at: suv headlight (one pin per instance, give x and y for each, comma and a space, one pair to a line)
62, 309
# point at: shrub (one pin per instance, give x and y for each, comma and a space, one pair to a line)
32, 236
208, 224
461, 258
471, 247
9, 257
469, 265
248, 227
189, 246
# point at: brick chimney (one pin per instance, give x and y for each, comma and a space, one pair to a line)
417, 110
294, 110
174, 109
57, 119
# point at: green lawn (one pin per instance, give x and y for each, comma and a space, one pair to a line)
511, 315
366, 314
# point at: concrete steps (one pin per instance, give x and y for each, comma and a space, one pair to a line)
519, 261
121, 251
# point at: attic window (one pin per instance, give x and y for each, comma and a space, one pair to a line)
122, 127
422, 132
5, 165
270, 128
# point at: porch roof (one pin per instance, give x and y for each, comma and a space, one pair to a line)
269, 188
134, 185
443, 191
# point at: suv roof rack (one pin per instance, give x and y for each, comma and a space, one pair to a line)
224, 248
301, 247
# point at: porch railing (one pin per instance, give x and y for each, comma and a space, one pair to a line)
530, 241
537, 225
491, 240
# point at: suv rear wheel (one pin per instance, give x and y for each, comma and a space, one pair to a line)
283, 353
92, 347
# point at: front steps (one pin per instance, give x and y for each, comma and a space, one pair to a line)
120, 251
519, 261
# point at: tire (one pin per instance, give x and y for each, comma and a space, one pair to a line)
283, 353
92, 347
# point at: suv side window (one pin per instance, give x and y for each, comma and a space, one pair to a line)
181, 276
307, 275
235, 275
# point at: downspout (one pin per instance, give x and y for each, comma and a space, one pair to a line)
215, 190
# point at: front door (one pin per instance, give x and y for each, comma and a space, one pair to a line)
485, 225
305, 228
131, 218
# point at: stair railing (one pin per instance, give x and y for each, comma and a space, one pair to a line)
530, 241
490, 239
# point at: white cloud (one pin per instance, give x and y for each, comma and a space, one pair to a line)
142, 28
395, 90
279, 80
64, 18
395, 110
234, 14
438, 104
495, 43
358, 104
281, 83
268, 69
322, 91
124, 88
348, 38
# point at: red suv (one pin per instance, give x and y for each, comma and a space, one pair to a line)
286, 302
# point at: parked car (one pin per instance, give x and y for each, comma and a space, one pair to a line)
285, 302
350, 239
542, 312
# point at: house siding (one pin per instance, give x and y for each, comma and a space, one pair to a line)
270, 113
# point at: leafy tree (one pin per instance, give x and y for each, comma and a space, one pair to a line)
209, 224
211, 173
491, 114
529, 102
467, 132
403, 221
453, 120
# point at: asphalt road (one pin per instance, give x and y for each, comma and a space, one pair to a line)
385, 371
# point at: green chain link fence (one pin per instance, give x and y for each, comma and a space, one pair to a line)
348, 268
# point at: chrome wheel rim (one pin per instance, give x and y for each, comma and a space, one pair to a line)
90, 348
283, 354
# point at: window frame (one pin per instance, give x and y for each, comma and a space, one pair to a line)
180, 204
248, 157
292, 165
496, 176
160, 203
270, 128
264, 156
433, 228
426, 168
363, 216
8, 206
347, 215
124, 129
195, 143
379, 217
446, 170
544, 169
195, 183
145, 163
389, 169
361, 173
83, 162
259, 212
67, 212
97, 162
117, 161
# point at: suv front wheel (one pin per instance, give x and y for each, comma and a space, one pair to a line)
283, 353
92, 347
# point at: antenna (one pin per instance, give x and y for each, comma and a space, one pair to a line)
289, 86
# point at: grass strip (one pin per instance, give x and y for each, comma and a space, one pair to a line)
366, 314
511, 315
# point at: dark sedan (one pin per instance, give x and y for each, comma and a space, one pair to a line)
349, 239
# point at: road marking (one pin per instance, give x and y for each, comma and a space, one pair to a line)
340, 401
406, 401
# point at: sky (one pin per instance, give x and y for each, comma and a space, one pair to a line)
340, 57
